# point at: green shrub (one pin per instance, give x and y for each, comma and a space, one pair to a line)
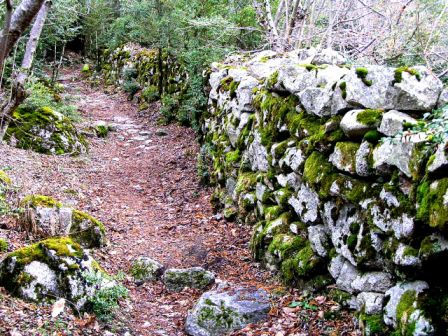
151, 94
168, 111
131, 87
105, 301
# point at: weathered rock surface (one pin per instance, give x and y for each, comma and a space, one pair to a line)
52, 268
176, 279
44, 131
226, 309
334, 177
146, 269
45, 217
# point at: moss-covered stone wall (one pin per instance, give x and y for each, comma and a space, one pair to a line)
325, 164
137, 71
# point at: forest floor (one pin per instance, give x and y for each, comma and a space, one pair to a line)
143, 186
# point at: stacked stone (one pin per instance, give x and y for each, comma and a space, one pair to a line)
315, 154
133, 62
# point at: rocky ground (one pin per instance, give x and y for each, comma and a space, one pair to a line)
141, 183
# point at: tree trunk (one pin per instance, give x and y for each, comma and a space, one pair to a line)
18, 87
5, 34
21, 19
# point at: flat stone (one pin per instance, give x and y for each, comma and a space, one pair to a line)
176, 279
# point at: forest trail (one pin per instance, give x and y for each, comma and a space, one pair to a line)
141, 182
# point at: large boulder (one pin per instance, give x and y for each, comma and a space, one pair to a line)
45, 217
53, 268
226, 309
44, 131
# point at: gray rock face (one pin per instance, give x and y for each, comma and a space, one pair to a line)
258, 155
372, 282
402, 226
443, 99
306, 204
146, 269
293, 158
362, 159
344, 272
291, 180
397, 154
395, 294
379, 95
404, 256
440, 160
328, 56
417, 94
226, 309
393, 121
370, 302
318, 237
42, 221
176, 279
352, 127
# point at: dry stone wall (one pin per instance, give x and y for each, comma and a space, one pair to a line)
317, 156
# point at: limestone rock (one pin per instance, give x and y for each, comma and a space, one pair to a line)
370, 302
373, 282
45, 217
407, 256
44, 131
291, 180
440, 159
343, 272
362, 159
328, 56
226, 309
293, 158
352, 127
318, 237
146, 269
402, 226
258, 155
344, 156
55, 267
397, 154
176, 279
443, 99
395, 294
418, 92
393, 122
306, 204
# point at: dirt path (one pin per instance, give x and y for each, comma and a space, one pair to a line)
143, 187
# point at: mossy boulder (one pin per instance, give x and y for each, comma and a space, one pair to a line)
46, 217
226, 309
176, 279
432, 198
44, 131
52, 268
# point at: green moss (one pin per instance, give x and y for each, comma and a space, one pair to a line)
230, 213
272, 212
370, 117
4, 178
348, 153
85, 69
339, 296
316, 168
362, 74
80, 216
102, 131
431, 203
228, 84
406, 304
372, 136
343, 87
429, 246
282, 196
398, 76
232, 157
285, 245
246, 182
40, 201
3, 245
63, 246
272, 80
373, 324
